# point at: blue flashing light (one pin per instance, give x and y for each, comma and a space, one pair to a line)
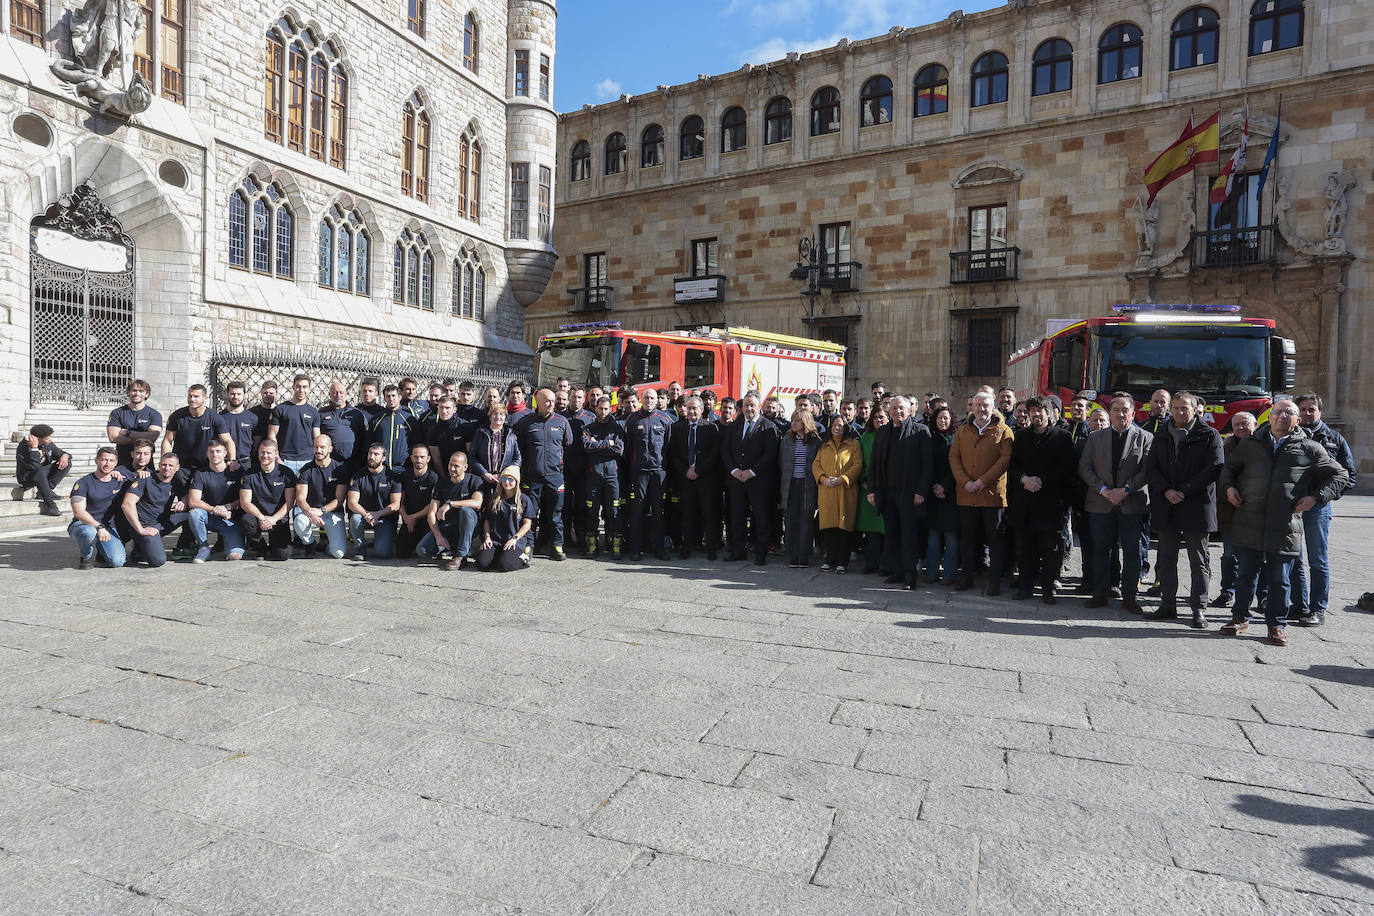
588, 326
1137, 307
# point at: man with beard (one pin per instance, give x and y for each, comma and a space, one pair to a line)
418, 482
603, 443
1042, 468
452, 515
345, 425
262, 412
239, 423
153, 507
192, 428
134, 422
574, 508
694, 460
321, 488
374, 501
391, 429
213, 503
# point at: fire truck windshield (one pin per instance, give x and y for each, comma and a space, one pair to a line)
1220, 363
590, 361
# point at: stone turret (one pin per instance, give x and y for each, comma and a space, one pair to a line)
531, 140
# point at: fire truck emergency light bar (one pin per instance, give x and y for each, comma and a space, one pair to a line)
1149, 313
588, 326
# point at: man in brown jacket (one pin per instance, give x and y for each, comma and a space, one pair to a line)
978, 458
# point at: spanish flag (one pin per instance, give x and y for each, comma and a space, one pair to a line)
1195, 146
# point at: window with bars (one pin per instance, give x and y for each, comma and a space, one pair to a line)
545, 65
413, 271
26, 21
545, 204
519, 200
470, 36
305, 89
522, 72
980, 342
415, 129
469, 286
264, 244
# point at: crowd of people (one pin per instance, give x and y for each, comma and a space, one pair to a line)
910, 488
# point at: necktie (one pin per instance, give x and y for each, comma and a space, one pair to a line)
692, 445
748, 428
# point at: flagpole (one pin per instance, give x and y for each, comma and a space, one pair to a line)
1274, 192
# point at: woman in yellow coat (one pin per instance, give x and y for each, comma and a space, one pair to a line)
837, 467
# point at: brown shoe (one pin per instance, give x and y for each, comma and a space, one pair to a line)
1096, 601
1131, 606
1277, 636
454, 564
1235, 627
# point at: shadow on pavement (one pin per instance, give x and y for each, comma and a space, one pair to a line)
1334, 860
1340, 674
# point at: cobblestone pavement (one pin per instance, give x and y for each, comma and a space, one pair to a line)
332, 737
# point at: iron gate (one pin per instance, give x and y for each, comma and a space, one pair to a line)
82, 319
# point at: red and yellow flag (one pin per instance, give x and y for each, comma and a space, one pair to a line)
1195, 146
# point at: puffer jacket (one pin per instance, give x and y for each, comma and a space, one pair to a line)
1271, 481
984, 457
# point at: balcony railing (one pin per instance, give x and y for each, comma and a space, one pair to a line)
984, 265
840, 277
1235, 247
590, 299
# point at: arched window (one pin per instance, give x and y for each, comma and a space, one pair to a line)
691, 140
470, 176
469, 286
777, 121
1052, 67
1193, 39
305, 90
990, 79
1275, 25
1118, 54
875, 102
413, 268
343, 251
470, 37
932, 91
651, 147
415, 149
580, 161
615, 154
415, 17
825, 111
734, 130
266, 243
26, 21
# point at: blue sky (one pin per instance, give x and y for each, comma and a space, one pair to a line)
610, 47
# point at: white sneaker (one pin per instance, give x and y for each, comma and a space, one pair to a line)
202, 555
841, 570
825, 566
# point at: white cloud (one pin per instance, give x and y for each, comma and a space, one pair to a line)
777, 48
855, 19
607, 89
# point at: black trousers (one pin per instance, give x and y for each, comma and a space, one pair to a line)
45, 478
699, 510
499, 559
1199, 565
548, 497
837, 544
752, 500
406, 539
278, 536
977, 525
602, 500
1040, 556
574, 508
902, 544
646, 512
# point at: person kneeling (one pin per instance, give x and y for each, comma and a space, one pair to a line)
453, 514
507, 519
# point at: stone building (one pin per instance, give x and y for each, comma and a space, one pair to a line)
972, 178
195, 191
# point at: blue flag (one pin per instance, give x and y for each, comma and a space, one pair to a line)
1270, 154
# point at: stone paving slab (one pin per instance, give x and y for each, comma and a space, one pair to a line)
321, 737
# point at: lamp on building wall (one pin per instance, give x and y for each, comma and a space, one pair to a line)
810, 272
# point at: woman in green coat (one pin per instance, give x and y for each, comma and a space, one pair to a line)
869, 522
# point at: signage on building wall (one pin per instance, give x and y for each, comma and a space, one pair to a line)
698, 289
87, 254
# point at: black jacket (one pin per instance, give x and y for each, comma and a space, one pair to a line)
1050, 456
757, 453
28, 460
708, 450
1192, 468
1271, 481
1336, 447
913, 450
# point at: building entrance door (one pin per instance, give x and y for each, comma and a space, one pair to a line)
81, 269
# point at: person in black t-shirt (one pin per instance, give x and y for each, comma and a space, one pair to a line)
374, 501
294, 426
94, 501
266, 497
213, 504
453, 514
417, 490
321, 488
507, 520
154, 507
262, 412
239, 423
134, 422
192, 428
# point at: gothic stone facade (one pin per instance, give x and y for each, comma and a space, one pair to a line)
167, 176
1067, 165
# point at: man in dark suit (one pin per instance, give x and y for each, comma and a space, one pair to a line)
1114, 468
899, 481
694, 465
749, 454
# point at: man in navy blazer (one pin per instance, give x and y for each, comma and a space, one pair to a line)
749, 455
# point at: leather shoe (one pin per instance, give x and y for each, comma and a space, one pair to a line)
1225, 599
895, 580
1131, 606
1199, 619
994, 589
1096, 601
1310, 619
963, 584
1164, 613
1049, 597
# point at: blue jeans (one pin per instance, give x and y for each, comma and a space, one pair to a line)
1110, 529
202, 523
457, 528
1277, 570
334, 530
1316, 530
383, 535
88, 544
1230, 566
942, 554
296, 466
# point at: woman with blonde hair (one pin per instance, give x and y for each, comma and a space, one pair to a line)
507, 517
839, 461
796, 455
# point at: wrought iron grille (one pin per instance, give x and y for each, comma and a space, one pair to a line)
83, 334
980, 342
254, 366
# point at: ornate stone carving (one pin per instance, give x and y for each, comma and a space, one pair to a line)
83, 214
101, 66
956, 19
1333, 214
1146, 231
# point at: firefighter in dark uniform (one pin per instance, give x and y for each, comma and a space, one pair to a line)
603, 442
574, 502
646, 434
544, 438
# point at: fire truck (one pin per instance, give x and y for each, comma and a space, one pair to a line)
1232, 362
729, 361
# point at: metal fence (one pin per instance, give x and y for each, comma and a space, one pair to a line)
254, 366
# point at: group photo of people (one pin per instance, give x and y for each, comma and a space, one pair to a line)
989, 492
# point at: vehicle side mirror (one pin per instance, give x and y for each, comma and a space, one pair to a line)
1284, 360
